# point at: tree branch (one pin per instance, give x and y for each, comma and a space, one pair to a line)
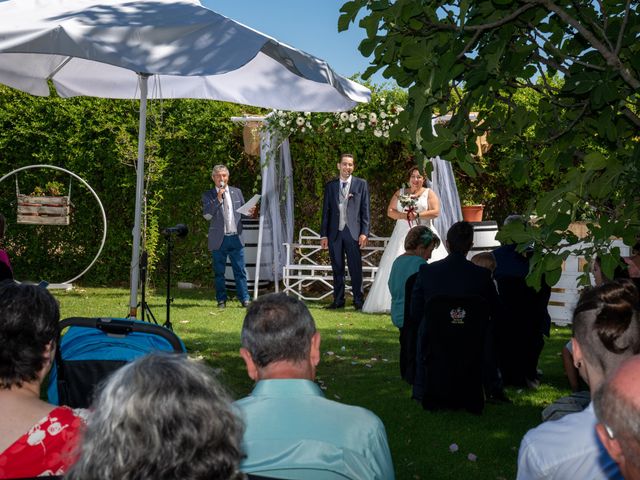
548, 87
469, 44
486, 26
603, 10
559, 53
623, 27
550, 63
611, 58
571, 125
586, 19
631, 116
542, 91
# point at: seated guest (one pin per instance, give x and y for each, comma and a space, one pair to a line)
567, 351
455, 275
418, 245
292, 431
606, 331
36, 438
617, 406
6, 272
162, 416
486, 260
526, 319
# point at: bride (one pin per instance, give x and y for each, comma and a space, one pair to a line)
416, 205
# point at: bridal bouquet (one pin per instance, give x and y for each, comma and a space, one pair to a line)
408, 203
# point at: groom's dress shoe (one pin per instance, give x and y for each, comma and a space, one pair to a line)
334, 306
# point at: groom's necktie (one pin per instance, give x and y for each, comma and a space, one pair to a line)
344, 191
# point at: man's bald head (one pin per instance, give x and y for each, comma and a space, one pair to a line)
625, 382
617, 406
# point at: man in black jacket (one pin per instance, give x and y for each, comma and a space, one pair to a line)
455, 275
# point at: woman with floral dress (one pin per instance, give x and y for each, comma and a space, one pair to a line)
36, 438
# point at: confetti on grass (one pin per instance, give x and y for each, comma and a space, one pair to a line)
472, 457
453, 448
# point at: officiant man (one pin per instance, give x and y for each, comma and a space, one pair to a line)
345, 228
219, 207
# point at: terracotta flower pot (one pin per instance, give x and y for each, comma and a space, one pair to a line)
472, 213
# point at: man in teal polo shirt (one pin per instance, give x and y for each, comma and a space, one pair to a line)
292, 430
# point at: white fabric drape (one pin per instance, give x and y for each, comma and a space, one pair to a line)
276, 209
444, 184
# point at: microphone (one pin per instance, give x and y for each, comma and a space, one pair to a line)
222, 184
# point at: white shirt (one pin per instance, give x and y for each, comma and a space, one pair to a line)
227, 208
565, 449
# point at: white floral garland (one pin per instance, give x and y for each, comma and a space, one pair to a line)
377, 118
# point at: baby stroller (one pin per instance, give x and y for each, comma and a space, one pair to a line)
93, 348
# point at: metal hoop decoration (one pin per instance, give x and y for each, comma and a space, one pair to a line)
104, 215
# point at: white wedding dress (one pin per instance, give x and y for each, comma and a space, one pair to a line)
379, 298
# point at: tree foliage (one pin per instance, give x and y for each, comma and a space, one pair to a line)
581, 60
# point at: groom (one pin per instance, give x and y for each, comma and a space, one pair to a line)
344, 229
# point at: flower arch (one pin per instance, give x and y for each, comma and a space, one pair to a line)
378, 118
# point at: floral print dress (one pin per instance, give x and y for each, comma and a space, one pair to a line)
47, 448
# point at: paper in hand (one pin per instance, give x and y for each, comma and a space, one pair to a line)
246, 208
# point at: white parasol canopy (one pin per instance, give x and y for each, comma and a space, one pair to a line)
159, 49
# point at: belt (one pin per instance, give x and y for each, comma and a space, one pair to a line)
230, 234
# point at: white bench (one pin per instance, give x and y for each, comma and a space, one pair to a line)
307, 273
565, 293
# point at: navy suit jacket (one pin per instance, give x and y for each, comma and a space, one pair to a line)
211, 206
513, 267
453, 275
357, 209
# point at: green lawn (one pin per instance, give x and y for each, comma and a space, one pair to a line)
359, 366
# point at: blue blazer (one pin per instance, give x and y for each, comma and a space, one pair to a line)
211, 206
358, 216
